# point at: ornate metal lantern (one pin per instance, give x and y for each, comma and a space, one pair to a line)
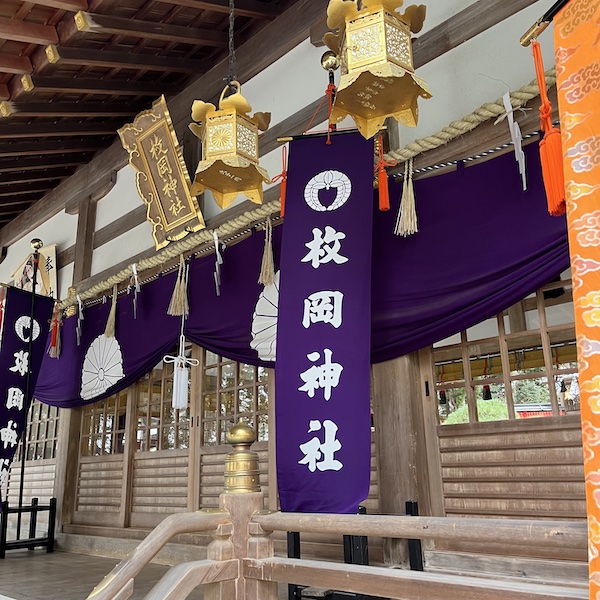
229, 136
374, 46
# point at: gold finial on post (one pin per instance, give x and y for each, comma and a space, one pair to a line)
241, 465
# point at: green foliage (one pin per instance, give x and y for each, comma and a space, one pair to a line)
488, 410
531, 391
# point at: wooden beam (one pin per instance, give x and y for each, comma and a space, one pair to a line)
93, 23
28, 84
8, 149
63, 55
36, 163
30, 33
61, 129
4, 93
243, 8
45, 175
25, 188
17, 65
66, 109
5, 204
70, 5
465, 25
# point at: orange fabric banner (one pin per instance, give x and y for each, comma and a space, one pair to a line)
577, 49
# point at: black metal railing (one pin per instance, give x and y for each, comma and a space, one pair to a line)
31, 541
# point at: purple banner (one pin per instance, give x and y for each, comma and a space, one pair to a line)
17, 334
323, 333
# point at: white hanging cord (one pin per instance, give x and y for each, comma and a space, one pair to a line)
181, 374
516, 137
218, 263
135, 281
80, 318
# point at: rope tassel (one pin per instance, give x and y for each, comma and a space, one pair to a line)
179, 305
550, 146
267, 267
406, 223
109, 332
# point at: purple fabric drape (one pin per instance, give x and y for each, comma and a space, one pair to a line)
483, 244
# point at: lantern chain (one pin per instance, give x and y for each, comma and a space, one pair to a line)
232, 66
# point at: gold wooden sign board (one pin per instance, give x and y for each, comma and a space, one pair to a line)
162, 179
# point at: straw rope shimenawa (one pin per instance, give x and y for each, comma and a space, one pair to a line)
484, 113
487, 111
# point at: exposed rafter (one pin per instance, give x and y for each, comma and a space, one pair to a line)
34, 177
84, 57
35, 163
61, 129
71, 5
55, 146
106, 87
243, 8
30, 33
66, 109
17, 65
23, 188
93, 23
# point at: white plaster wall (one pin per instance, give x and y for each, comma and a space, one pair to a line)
60, 230
129, 244
123, 198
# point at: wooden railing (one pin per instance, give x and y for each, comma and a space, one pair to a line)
240, 557
241, 564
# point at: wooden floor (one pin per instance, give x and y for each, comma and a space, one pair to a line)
36, 575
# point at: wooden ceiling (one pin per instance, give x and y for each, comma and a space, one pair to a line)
73, 71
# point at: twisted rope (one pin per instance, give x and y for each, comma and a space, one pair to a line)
236, 226
487, 111
232, 228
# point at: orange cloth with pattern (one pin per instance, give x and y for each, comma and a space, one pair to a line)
577, 49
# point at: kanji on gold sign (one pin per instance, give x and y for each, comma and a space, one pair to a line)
162, 179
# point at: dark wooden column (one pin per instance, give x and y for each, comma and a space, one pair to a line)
400, 444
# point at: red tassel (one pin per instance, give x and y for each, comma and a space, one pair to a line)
283, 178
55, 325
384, 191
382, 178
550, 147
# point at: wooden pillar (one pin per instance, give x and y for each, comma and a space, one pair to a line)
69, 432
67, 460
400, 444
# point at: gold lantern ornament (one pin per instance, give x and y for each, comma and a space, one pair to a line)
377, 74
229, 136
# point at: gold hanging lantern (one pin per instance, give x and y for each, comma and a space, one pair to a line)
229, 136
377, 74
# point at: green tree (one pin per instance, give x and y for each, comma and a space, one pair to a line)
488, 410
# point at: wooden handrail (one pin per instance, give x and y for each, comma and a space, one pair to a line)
560, 534
400, 584
173, 525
